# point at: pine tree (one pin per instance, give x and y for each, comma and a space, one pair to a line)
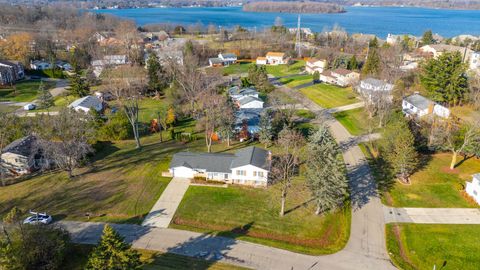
156, 75
352, 63
373, 44
78, 86
427, 37
372, 65
112, 253
445, 79
45, 99
397, 148
265, 135
326, 175
316, 76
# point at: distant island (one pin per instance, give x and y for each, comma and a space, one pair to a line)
293, 7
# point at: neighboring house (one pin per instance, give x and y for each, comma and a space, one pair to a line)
306, 31
250, 102
6, 76
87, 103
248, 166
326, 77
435, 50
248, 119
236, 92
275, 58
215, 62
116, 59
473, 188
16, 67
418, 106
261, 60
345, 77
40, 65
18, 157
314, 64
374, 85
395, 39
474, 61
165, 56
64, 66
228, 58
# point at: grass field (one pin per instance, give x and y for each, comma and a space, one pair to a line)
77, 259
330, 96
7, 109
253, 215
296, 80
355, 121
433, 185
238, 68
25, 91
421, 246
284, 70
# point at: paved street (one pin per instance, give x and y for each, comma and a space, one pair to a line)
163, 211
432, 215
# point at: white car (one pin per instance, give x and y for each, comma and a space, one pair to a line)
38, 218
29, 107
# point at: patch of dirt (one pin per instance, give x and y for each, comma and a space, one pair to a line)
401, 248
450, 171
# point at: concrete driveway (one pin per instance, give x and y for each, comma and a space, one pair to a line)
164, 209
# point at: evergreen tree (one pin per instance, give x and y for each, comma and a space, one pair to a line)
258, 76
45, 99
445, 79
78, 86
112, 253
326, 175
373, 44
156, 75
352, 63
372, 65
316, 76
397, 148
265, 135
427, 38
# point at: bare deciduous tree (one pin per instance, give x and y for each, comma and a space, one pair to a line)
285, 164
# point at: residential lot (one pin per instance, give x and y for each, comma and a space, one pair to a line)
355, 121
284, 70
421, 246
330, 96
253, 215
296, 80
24, 91
238, 68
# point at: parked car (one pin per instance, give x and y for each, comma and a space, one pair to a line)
38, 218
29, 107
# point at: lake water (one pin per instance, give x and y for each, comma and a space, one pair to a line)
371, 20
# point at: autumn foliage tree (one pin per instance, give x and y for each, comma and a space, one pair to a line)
17, 47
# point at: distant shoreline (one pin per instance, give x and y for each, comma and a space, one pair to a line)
293, 7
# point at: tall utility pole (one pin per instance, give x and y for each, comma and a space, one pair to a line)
298, 44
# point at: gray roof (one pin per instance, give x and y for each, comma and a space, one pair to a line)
374, 82
212, 162
252, 155
215, 60
222, 162
242, 91
86, 102
229, 55
248, 99
419, 101
22, 146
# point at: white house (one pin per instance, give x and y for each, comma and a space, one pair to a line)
248, 166
87, 103
474, 61
373, 85
345, 77
249, 102
228, 58
436, 50
418, 106
40, 65
215, 62
261, 60
275, 58
314, 64
237, 93
116, 59
473, 188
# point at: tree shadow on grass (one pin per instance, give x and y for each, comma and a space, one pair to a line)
304, 204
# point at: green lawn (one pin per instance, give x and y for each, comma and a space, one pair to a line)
284, 70
252, 214
23, 91
422, 246
296, 80
330, 96
353, 120
238, 68
78, 257
7, 109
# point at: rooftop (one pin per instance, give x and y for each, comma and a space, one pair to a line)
86, 102
275, 54
22, 146
419, 101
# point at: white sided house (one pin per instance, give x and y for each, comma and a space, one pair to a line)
87, 103
345, 77
248, 166
276, 58
418, 106
237, 93
473, 188
228, 58
250, 102
314, 64
261, 60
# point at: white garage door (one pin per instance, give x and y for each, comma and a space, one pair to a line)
183, 172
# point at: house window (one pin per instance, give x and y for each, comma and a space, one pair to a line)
241, 172
260, 174
254, 173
